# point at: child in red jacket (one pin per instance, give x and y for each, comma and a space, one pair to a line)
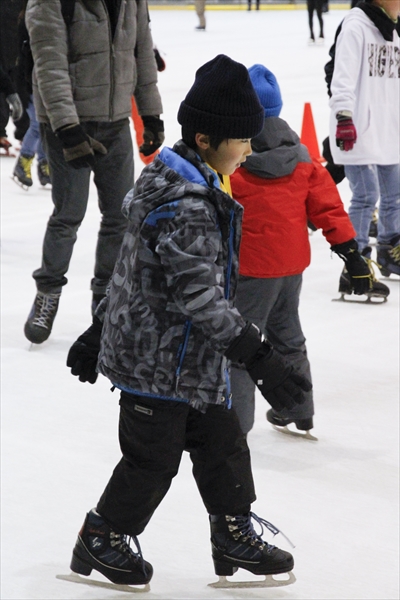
281, 188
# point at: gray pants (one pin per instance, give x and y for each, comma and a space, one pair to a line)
272, 305
113, 177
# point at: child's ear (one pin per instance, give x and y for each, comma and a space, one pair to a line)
202, 141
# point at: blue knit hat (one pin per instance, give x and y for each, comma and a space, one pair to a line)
267, 88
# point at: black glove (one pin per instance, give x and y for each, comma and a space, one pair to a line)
17, 110
356, 265
83, 354
153, 135
276, 379
78, 147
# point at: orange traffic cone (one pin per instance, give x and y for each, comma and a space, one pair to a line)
308, 134
138, 124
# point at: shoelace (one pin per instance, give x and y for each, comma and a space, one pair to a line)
26, 163
47, 304
122, 542
395, 253
44, 168
246, 529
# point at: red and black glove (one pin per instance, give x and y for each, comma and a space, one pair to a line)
346, 134
78, 147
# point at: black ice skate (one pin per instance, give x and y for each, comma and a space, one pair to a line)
22, 171
377, 289
281, 424
101, 548
41, 318
236, 545
388, 256
373, 226
43, 172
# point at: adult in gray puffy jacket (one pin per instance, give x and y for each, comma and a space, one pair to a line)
88, 62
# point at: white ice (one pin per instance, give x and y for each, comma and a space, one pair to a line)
337, 499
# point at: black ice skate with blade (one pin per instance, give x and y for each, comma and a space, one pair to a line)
101, 548
281, 424
378, 290
236, 545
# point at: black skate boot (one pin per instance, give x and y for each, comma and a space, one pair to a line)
41, 318
43, 172
281, 424
101, 548
302, 424
235, 545
388, 257
22, 171
377, 289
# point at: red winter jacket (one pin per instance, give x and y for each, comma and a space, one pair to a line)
281, 188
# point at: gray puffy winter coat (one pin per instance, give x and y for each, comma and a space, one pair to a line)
170, 314
83, 73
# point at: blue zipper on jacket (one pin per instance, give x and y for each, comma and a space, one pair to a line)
182, 352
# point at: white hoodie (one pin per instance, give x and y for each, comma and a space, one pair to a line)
366, 81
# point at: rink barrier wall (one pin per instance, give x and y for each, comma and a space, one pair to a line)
241, 5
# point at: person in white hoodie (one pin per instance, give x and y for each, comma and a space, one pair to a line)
365, 123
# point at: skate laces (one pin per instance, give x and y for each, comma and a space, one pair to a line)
246, 530
122, 543
395, 253
26, 163
47, 307
44, 168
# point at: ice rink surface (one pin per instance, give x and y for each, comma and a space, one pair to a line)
336, 499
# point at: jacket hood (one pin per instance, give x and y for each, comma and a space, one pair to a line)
276, 150
172, 175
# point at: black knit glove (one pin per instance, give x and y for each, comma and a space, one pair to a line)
78, 147
153, 135
83, 354
276, 379
356, 266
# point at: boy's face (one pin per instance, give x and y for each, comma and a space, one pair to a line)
229, 155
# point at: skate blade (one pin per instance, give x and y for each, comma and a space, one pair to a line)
75, 578
306, 435
267, 582
22, 185
368, 300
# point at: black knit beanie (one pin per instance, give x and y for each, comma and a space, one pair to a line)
222, 101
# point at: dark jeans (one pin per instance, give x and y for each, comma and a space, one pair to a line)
315, 5
113, 177
153, 435
272, 305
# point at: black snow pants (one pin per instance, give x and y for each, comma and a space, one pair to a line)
153, 435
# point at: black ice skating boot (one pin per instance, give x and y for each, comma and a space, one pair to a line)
373, 226
43, 172
377, 290
101, 548
235, 545
301, 424
22, 171
41, 318
388, 257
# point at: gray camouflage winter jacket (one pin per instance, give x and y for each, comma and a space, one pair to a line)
86, 74
170, 314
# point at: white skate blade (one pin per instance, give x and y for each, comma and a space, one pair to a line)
268, 581
368, 300
306, 434
75, 578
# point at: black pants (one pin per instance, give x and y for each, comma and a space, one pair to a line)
315, 5
153, 435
